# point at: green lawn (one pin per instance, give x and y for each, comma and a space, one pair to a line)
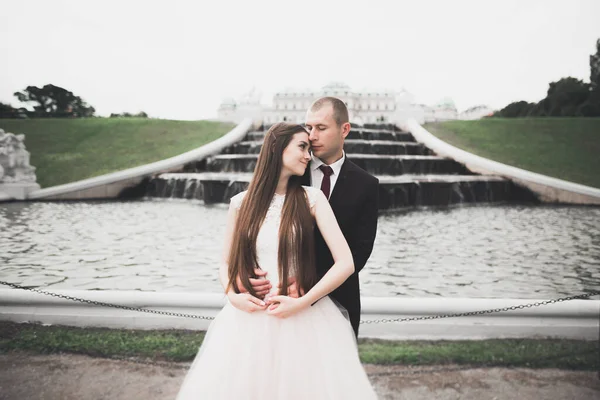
180, 345
564, 148
67, 150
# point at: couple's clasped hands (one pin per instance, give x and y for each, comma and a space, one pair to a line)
278, 306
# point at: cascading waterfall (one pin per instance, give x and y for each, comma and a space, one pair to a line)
410, 174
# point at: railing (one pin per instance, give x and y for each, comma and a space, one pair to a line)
570, 316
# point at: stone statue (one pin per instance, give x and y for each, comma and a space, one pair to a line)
17, 177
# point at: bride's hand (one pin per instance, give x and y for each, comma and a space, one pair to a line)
285, 306
246, 302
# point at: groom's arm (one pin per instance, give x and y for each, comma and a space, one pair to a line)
362, 236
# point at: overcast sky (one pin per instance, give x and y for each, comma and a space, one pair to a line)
180, 59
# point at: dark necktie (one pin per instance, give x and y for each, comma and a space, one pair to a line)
326, 184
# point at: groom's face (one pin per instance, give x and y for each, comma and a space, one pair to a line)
326, 137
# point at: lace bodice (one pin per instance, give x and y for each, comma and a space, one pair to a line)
267, 242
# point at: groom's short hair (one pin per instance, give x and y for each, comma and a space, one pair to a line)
340, 111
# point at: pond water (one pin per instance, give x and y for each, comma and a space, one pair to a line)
174, 246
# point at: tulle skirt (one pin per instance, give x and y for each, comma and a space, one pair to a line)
310, 355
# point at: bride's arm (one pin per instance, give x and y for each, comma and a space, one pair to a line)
243, 301
224, 267
342, 268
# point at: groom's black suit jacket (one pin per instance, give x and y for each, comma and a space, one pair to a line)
354, 201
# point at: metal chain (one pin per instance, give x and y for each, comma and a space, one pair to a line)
99, 303
481, 312
373, 321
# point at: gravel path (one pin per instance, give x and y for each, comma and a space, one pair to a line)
69, 376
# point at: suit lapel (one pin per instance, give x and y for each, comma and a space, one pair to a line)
336, 197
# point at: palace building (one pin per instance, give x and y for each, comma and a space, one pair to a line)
375, 107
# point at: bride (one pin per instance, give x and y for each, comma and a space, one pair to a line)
281, 347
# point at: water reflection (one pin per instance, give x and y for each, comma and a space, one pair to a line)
175, 245
511, 251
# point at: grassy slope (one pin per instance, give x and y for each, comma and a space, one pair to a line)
177, 345
564, 148
67, 150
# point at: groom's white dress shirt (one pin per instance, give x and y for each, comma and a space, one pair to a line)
316, 175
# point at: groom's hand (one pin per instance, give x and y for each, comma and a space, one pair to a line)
292, 289
261, 285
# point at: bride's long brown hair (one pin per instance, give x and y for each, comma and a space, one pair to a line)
296, 232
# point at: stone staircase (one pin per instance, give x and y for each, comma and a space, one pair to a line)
409, 173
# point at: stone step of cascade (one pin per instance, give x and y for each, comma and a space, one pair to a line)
359, 146
375, 134
410, 174
407, 164
360, 133
383, 179
395, 192
385, 147
373, 163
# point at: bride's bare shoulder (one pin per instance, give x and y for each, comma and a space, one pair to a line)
312, 194
236, 201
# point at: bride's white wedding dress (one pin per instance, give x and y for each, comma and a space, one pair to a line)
310, 355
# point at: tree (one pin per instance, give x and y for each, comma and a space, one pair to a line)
565, 96
595, 68
537, 110
515, 109
141, 114
591, 108
8, 111
54, 101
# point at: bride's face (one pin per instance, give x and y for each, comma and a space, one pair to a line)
296, 155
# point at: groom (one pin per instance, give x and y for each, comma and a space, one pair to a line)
352, 192
353, 195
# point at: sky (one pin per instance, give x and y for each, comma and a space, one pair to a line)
180, 59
